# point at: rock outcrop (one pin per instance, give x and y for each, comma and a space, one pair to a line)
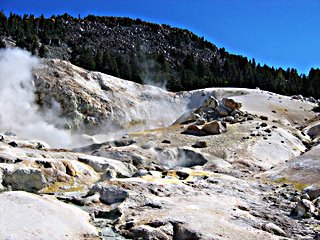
212, 109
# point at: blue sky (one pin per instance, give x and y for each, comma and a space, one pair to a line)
280, 33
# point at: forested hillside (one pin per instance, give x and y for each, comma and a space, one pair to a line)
148, 53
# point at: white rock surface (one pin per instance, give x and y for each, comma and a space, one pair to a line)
25, 216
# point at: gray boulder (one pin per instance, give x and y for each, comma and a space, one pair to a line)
109, 194
214, 127
25, 179
314, 132
302, 209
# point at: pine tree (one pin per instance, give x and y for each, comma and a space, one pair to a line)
110, 65
98, 61
42, 51
2, 44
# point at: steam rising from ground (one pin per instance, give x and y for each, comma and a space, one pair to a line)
153, 107
18, 111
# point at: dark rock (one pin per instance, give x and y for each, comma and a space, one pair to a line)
123, 143
314, 131
263, 124
264, 118
112, 214
138, 160
250, 118
243, 208
13, 144
313, 192
166, 141
200, 144
182, 175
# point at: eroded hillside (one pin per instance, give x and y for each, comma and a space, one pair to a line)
217, 163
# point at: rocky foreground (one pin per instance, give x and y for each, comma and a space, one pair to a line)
212, 164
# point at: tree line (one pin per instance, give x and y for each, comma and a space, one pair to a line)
224, 70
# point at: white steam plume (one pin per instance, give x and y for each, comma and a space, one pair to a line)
18, 111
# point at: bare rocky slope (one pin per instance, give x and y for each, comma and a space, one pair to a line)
218, 163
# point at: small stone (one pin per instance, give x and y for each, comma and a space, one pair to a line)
264, 118
182, 175
166, 141
250, 118
263, 124
13, 144
243, 208
272, 228
123, 143
200, 144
